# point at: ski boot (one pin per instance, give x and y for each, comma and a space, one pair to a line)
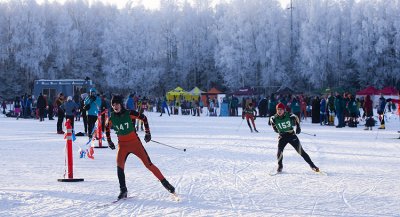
123, 194
315, 169
168, 186
279, 170
256, 130
382, 127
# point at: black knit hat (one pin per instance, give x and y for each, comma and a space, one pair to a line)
117, 99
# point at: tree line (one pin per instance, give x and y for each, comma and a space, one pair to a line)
307, 46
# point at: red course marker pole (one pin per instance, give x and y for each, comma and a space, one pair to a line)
68, 136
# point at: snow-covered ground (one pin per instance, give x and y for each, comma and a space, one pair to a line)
224, 172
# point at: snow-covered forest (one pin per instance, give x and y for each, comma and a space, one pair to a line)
308, 45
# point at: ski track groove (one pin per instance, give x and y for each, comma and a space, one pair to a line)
305, 177
328, 191
347, 202
248, 195
238, 178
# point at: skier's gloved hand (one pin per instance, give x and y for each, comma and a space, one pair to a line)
298, 130
255, 117
147, 137
111, 144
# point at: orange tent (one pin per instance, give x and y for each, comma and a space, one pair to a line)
210, 94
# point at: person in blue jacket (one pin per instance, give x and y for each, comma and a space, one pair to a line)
130, 103
164, 106
69, 108
322, 111
381, 111
92, 106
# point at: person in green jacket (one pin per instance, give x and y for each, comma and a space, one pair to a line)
352, 111
122, 121
283, 123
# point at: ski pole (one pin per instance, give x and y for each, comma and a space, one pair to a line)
169, 145
240, 124
309, 134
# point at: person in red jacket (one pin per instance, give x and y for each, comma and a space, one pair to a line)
368, 113
122, 121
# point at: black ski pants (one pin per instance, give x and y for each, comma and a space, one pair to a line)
60, 120
91, 120
293, 140
85, 122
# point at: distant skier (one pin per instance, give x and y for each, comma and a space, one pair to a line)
283, 123
250, 113
122, 121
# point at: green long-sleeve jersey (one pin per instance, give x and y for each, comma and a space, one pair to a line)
284, 123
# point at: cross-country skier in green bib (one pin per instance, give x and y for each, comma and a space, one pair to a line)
283, 123
122, 121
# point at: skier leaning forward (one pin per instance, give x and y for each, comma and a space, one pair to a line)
122, 121
250, 113
283, 123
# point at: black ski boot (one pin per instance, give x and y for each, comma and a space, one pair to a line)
168, 186
123, 194
315, 169
256, 130
279, 170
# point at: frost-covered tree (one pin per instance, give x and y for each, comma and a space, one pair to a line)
28, 41
307, 45
319, 43
196, 43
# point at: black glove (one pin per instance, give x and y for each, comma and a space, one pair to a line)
111, 145
255, 117
92, 97
298, 130
388, 100
147, 137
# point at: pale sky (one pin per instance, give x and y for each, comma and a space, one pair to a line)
149, 4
